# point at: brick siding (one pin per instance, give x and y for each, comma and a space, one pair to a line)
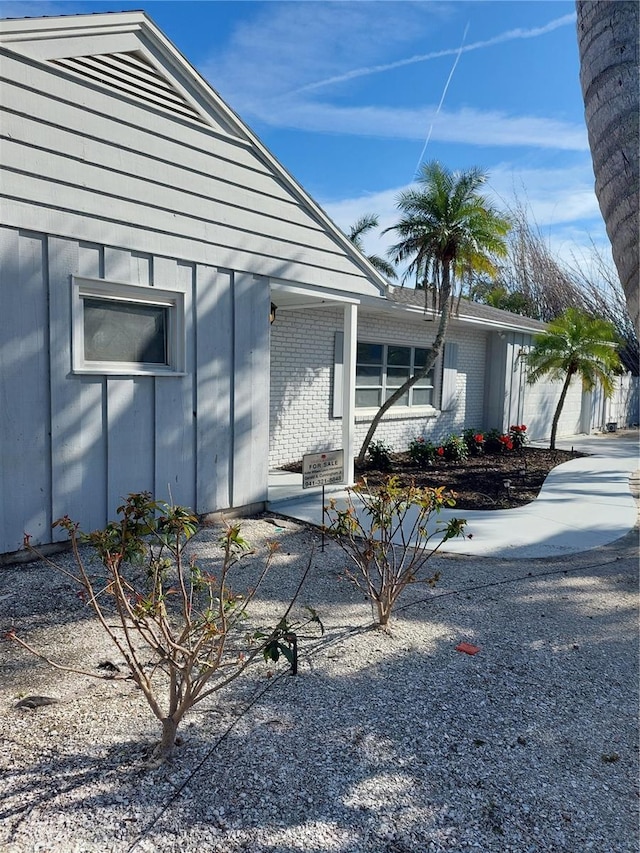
302, 352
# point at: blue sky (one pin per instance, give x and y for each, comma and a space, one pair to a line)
352, 96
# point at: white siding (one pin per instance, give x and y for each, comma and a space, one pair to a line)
85, 163
77, 445
25, 474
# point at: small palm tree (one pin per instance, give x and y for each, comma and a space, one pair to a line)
447, 230
357, 231
575, 344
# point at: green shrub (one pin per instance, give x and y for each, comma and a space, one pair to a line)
455, 449
380, 455
422, 452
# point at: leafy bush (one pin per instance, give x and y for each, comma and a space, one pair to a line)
387, 540
455, 449
498, 442
518, 436
380, 455
422, 452
474, 441
182, 631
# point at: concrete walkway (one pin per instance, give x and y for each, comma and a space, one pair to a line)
583, 504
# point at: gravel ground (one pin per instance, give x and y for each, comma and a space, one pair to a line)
384, 743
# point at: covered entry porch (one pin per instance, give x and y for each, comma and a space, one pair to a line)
290, 303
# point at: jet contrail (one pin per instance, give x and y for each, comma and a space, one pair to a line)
510, 35
444, 92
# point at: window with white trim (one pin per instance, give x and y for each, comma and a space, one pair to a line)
126, 329
382, 368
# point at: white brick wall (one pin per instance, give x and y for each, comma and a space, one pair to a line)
302, 351
540, 403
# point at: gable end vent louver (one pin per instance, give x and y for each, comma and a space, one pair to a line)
132, 75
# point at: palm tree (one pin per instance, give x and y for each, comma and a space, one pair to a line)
447, 229
357, 231
575, 344
608, 44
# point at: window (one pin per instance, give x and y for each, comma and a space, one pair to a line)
127, 329
382, 368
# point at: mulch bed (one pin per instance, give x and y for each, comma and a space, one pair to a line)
479, 483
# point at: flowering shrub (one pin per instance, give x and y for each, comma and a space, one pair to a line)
455, 449
505, 442
474, 441
422, 452
518, 436
498, 442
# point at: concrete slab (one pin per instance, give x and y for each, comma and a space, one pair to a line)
583, 504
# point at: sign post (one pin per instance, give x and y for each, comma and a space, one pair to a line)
322, 469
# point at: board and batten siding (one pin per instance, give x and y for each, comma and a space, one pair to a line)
77, 444
80, 161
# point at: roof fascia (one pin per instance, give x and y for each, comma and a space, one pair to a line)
386, 306
29, 29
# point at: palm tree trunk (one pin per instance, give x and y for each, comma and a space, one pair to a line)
608, 44
445, 294
556, 416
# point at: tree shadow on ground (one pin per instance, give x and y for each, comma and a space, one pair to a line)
388, 743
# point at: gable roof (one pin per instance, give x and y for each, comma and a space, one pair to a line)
474, 312
126, 54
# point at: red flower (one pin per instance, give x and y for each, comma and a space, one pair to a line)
440, 451
479, 438
523, 428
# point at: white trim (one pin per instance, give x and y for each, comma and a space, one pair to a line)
120, 292
404, 411
401, 413
318, 295
350, 328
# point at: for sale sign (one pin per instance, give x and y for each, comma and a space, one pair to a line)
322, 469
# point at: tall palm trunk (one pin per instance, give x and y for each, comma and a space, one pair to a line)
434, 352
608, 44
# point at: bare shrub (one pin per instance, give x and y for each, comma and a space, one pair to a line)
183, 632
387, 538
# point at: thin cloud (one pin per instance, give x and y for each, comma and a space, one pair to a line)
510, 35
466, 126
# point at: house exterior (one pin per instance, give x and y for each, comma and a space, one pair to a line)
146, 236
479, 381
144, 230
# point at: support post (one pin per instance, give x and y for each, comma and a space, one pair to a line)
349, 390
